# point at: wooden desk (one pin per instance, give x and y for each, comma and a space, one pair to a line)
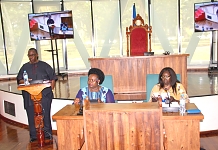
69, 126
129, 73
181, 131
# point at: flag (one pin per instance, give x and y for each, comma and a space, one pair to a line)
133, 11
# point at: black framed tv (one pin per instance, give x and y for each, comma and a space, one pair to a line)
51, 25
205, 16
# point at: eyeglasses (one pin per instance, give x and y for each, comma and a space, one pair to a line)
166, 77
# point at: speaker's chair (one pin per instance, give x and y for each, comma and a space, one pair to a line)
138, 38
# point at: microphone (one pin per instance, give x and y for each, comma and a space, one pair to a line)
80, 108
165, 89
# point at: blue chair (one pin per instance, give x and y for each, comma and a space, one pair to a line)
151, 80
108, 82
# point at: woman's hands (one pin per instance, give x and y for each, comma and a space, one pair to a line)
154, 99
171, 99
99, 101
76, 101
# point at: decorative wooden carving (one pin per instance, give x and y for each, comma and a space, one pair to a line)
36, 95
138, 36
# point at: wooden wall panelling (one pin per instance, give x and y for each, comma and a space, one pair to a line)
129, 73
129, 129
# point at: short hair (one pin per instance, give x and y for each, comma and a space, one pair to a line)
33, 49
97, 72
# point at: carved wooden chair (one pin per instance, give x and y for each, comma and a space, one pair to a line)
138, 37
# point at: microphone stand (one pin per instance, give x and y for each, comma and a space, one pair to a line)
167, 95
80, 108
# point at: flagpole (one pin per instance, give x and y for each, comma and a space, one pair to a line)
133, 11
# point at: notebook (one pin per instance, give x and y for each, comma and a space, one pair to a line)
193, 111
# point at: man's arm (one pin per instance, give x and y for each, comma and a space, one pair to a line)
52, 84
20, 76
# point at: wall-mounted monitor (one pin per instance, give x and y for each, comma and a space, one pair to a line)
51, 25
205, 16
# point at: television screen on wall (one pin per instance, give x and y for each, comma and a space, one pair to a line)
205, 16
51, 25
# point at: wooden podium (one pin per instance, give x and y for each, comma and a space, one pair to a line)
35, 94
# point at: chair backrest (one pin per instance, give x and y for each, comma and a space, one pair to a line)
108, 82
151, 80
138, 37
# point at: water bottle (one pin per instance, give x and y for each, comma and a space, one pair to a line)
159, 99
182, 105
25, 78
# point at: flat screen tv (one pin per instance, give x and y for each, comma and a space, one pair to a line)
205, 16
51, 25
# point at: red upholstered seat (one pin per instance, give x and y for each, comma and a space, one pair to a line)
33, 24
138, 45
199, 15
138, 37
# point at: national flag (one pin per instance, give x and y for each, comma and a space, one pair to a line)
133, 11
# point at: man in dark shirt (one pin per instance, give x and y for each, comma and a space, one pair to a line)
50, 23
38, 70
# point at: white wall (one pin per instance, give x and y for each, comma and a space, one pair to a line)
58, 104
20, 113
17, 100
209, 108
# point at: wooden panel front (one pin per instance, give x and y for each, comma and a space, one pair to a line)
129, 73
182, 134
127, 129
67, 133
69, 127
128, 125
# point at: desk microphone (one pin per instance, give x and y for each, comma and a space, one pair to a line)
80, 108
167, 96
